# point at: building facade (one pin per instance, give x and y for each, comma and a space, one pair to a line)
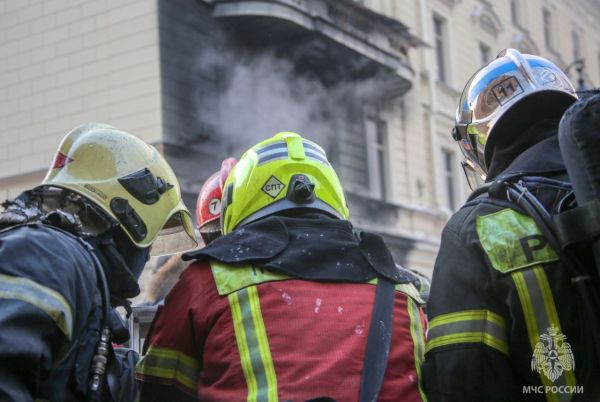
376, 82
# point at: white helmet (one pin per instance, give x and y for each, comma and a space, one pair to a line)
500, 87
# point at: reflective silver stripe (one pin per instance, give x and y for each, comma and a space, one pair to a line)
280, 145
314, 149
44, 298
272, 157
316, 157
271, 152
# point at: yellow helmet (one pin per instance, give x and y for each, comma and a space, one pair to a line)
283, 172
129, 180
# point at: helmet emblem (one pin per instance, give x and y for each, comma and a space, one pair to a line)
273, 187
507, 89
61, 160
214, 206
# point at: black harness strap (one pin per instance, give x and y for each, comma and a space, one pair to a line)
378, 341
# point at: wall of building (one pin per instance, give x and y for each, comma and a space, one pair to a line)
173, 75
67, 62
430, 105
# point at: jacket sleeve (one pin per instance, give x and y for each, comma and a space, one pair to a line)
466, 356
41, 280
32, 344
172, 358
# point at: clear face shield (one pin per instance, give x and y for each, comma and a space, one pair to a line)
176, 236
475, 177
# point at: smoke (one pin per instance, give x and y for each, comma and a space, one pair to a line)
261, 93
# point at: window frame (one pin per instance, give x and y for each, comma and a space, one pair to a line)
441, 43
485, 50
377, 145
548, 25
450, 178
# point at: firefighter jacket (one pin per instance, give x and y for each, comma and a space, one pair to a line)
505, 322
50, 315
279, 310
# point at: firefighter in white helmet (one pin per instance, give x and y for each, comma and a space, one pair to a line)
71, 250
507, 319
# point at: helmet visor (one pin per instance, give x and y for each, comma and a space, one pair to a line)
176, 236
475, 178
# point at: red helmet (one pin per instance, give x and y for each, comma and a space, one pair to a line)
208, 207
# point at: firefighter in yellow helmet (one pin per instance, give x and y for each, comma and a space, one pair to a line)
71, 250
280, 307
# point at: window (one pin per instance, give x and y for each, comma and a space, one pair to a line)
576, 45
439, 31
484, 52
515, 12
376, 136
548, 36
449, 178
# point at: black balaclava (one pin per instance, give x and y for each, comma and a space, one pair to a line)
528, 122
123, 262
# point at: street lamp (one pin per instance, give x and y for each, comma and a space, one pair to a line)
579, 65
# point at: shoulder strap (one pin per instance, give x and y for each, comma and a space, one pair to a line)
378, 341
584, 284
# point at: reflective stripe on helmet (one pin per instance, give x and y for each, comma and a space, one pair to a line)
267, 169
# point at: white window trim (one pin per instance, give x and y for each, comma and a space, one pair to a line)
552, 44
447, 41
453, 173
373, 168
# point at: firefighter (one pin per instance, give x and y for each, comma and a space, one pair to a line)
280, 307
208, 215
71, 250
208, 207
506, 317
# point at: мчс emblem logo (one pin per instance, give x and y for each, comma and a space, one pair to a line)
552, 354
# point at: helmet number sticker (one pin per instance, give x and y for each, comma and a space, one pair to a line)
273, 187
507, 89
214, 206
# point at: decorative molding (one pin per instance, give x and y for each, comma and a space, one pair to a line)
486, 17
523, 42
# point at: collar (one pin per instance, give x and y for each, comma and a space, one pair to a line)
313, 247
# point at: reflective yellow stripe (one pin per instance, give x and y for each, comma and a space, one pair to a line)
530, 321
253, 345
467, 315
418, 337
550, 308
240, 338
231, 278
468, 326
468, 337
539, 310
170, 364
263, 343
44, 298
